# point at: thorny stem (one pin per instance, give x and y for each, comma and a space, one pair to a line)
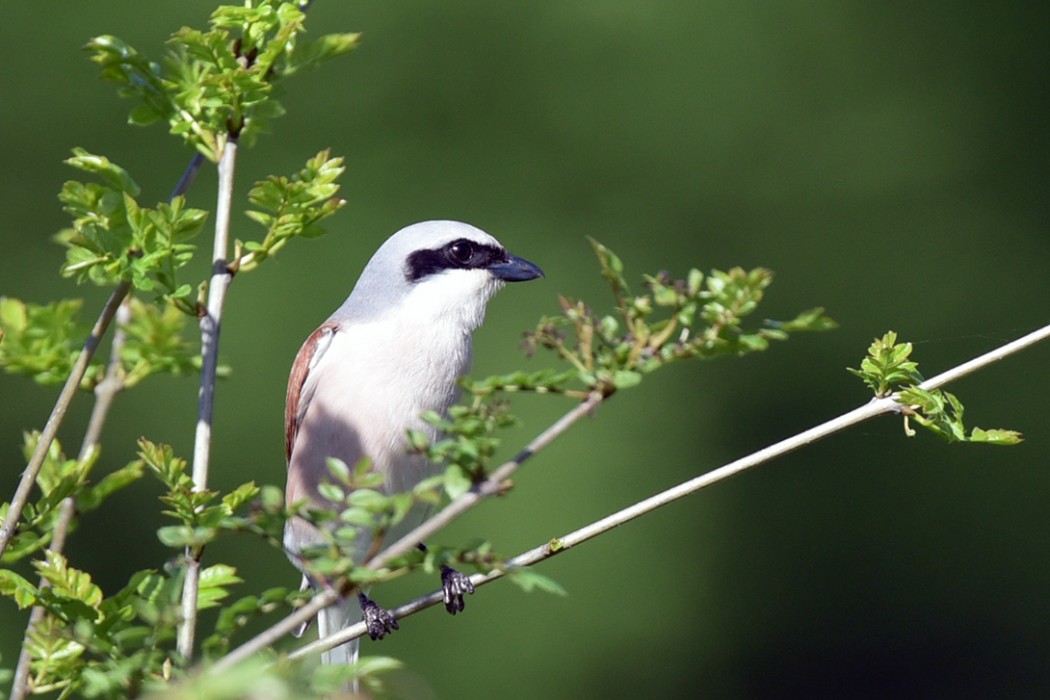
875, 407
210, 324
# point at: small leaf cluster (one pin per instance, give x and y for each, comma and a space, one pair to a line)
360, 506
695, 317
61, 477
155, 343
43, 341
114, 239
218, 83
888, 366
888, 370
290, 207
466, 444
201, 513
91, 645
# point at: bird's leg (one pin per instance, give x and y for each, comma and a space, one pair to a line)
301, 629
378, 620
454, 585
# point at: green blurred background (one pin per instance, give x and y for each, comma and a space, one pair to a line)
887, 160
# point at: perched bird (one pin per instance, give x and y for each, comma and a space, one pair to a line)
393, 350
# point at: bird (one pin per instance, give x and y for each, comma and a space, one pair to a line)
393, 350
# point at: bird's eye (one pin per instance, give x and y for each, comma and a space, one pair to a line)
461, 251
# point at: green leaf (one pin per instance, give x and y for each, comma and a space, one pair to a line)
996, 437
214, 580
176, 536
18, 589
809, 320
68, 582
310, 54
610, 263
239, 496
331, 492
116, 177
528, 580
457, 482
367, 498
339, 470
92, 496
624, 379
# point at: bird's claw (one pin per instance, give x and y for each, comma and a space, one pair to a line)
378, 620
454, 586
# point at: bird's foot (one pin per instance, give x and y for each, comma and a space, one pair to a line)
378, 620
454, 586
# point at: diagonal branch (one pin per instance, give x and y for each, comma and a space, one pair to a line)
58, 413
105, 392
453, 510
490, 486
873, 408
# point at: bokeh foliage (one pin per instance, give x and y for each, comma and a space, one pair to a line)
887, 161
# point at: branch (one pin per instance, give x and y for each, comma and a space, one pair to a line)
490, 486
982, 361
275, 632
210, 324
58, 413
875, 407
106, 390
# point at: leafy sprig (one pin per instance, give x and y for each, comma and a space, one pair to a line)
201, 513
61, 477
114, 238
43, 341
673, 319
220, 82
889, 370
290, 207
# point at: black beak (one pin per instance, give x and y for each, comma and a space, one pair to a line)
515, 269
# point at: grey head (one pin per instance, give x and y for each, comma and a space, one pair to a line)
435, 268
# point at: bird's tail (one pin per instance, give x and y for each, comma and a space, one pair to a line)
335, 617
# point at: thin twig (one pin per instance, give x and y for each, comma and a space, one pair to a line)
558, 545
982, 361
47, 436
211, 325
188, 176
491, 485
105, 391
275, 632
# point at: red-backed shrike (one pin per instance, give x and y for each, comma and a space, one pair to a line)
393, 350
